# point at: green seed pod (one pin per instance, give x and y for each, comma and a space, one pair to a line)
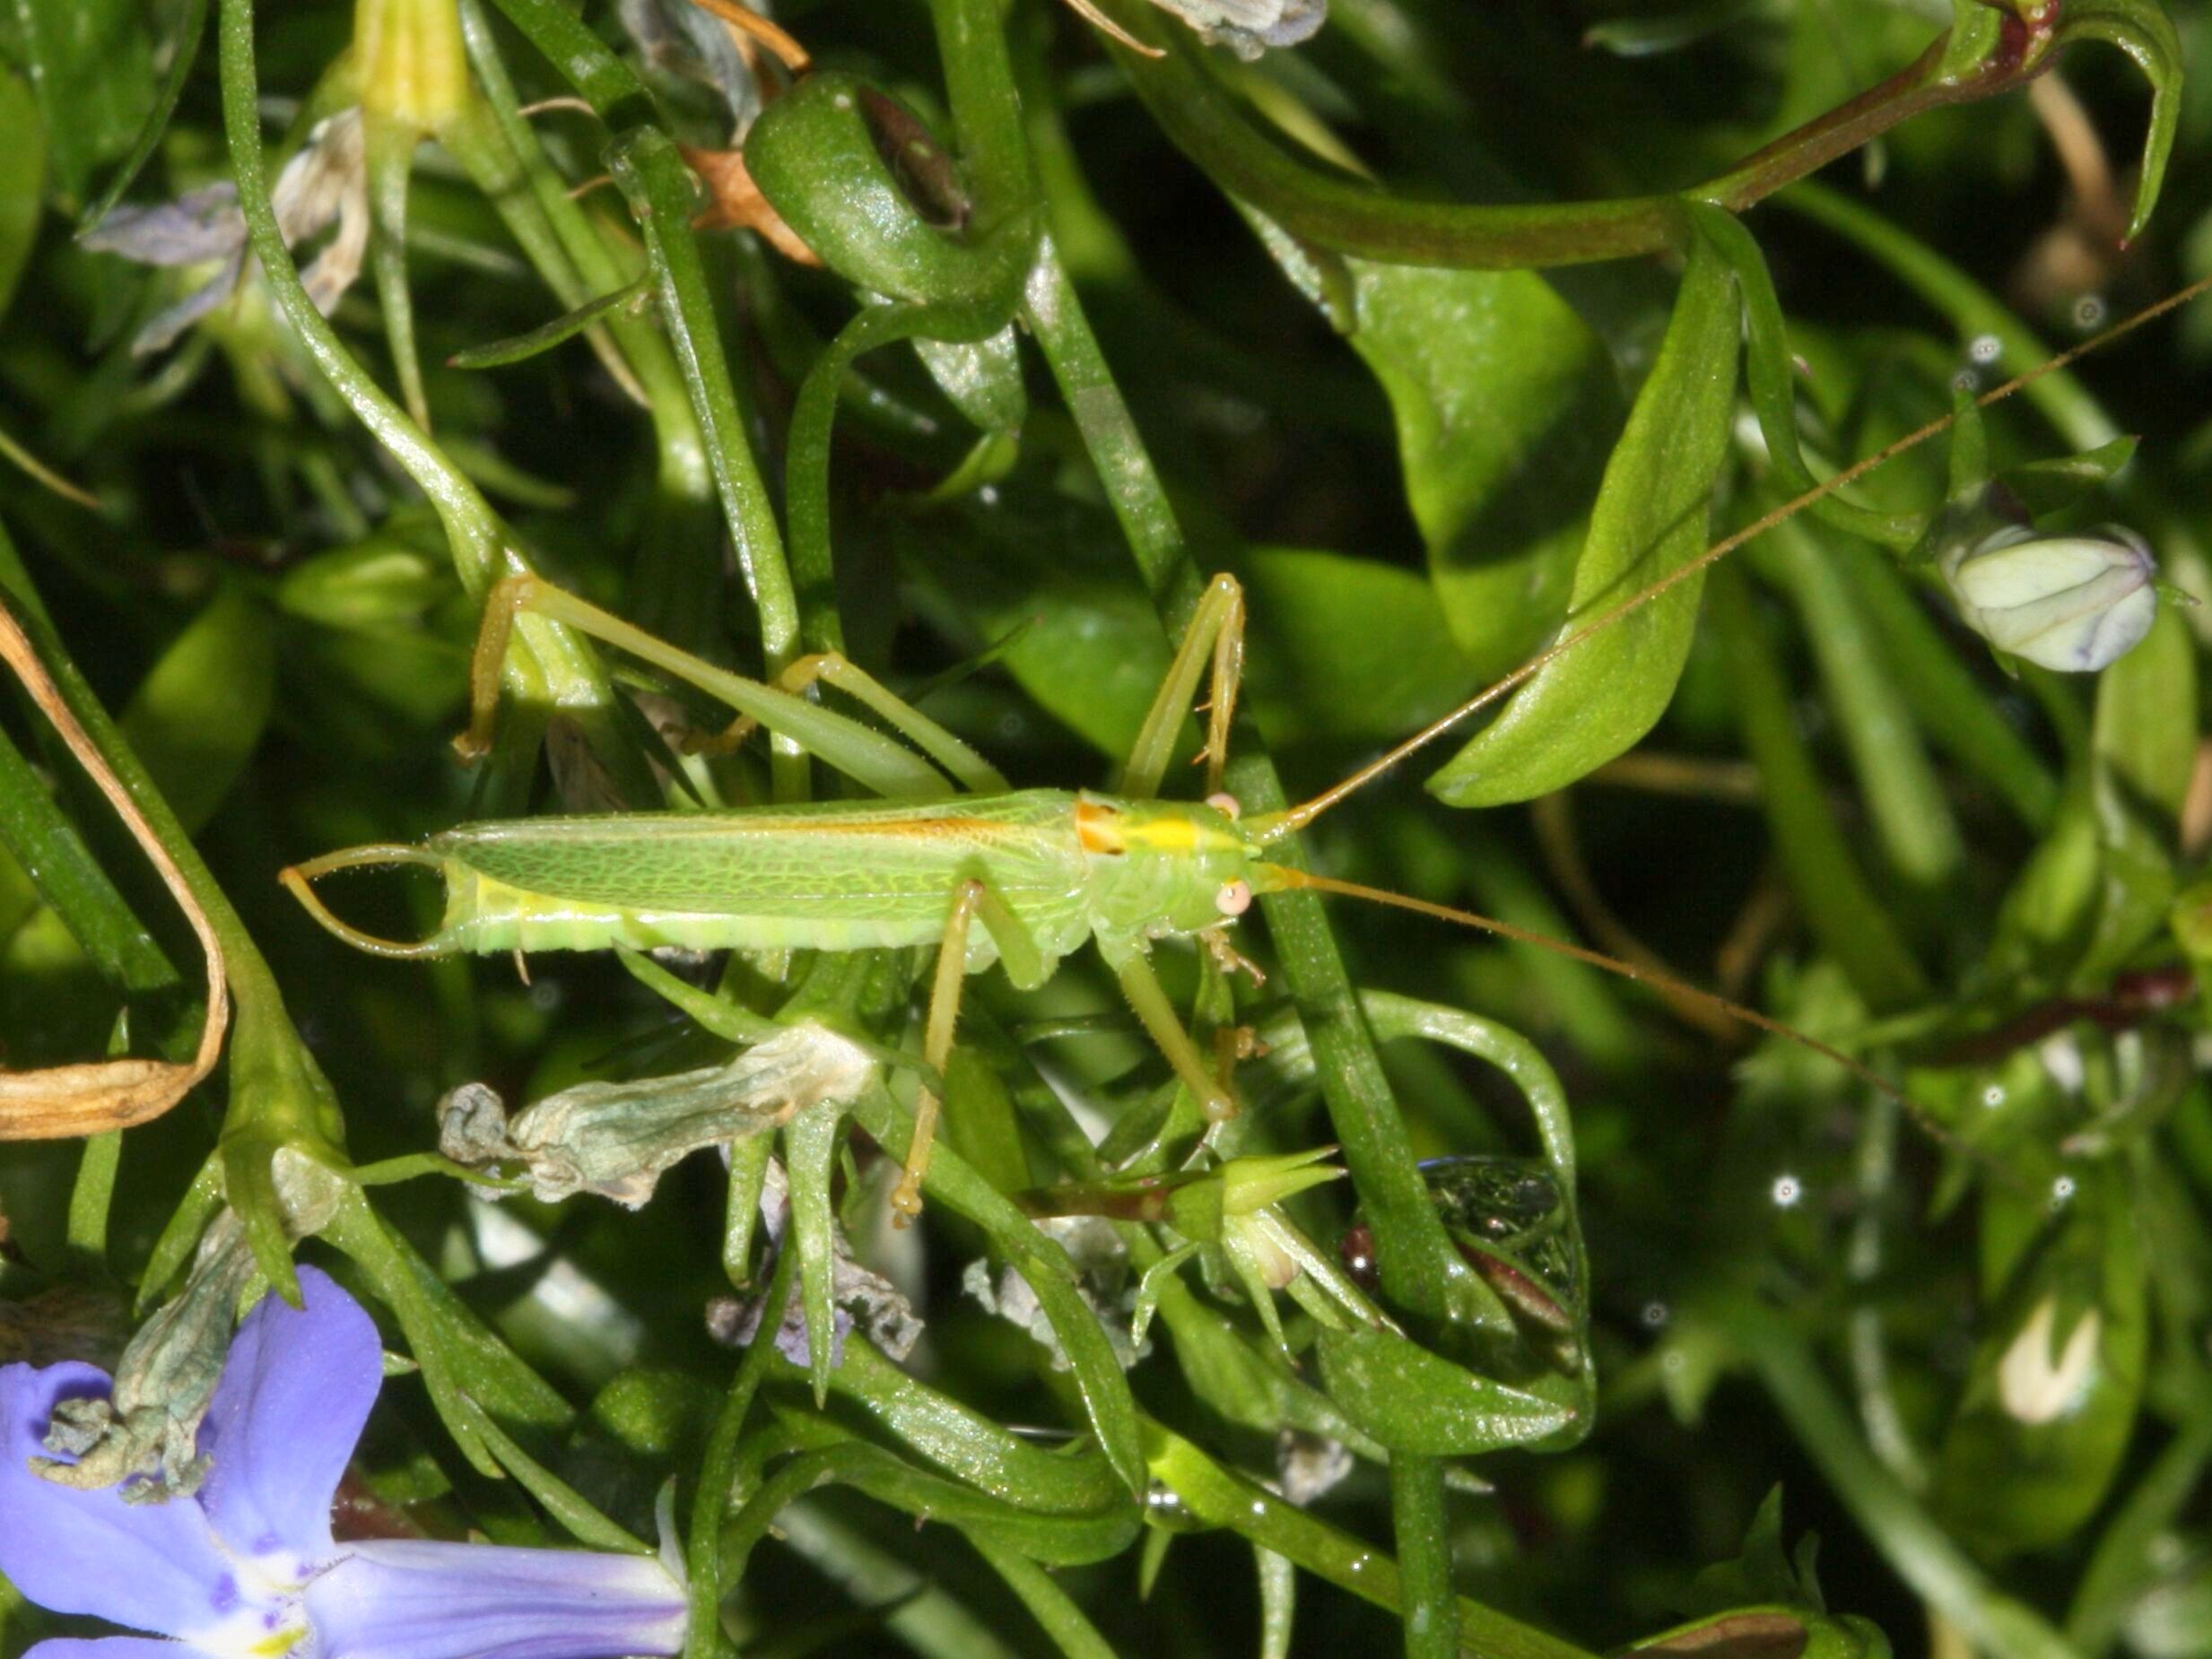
852, 172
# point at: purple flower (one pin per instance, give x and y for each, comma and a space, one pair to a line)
246, 1567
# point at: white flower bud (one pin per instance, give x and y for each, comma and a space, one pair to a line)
2037, 1385
2076, 603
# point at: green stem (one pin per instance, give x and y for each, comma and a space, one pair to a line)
678, 559
1201, 118
661, 192
806, 460
703, 1638
1420, 1269
389, 155
1424, 1556
479, 546
1218, 1498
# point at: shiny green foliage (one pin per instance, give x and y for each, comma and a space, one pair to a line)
1521, 1309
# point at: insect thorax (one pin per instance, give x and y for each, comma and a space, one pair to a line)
1156, 869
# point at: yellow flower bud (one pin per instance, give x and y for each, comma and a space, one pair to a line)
413, 71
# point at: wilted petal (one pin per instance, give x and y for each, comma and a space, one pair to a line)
327, 180
294, 1394
151, 1567
166, 325
411, 1599
198, 226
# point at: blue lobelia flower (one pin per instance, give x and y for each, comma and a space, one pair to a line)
246, 1567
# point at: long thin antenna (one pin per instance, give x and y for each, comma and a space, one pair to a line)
1277, 824
1289, 877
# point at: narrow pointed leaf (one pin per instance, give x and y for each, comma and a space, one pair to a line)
1587, 705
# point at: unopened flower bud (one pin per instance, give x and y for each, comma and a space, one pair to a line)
2040, 1379
2075, 603
414, 69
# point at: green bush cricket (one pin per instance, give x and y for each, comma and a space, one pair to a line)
949, 855
994, 875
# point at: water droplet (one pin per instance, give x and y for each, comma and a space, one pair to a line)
1655, 1314
2089, 312
987, 495
2061, 1190
1985, 348
1787, 1190
1965, 380
1671, 1360
1993, 1096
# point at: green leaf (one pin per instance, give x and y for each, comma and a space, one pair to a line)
70, 879
2044, 487
1312, 674
1414, 1401
965, 1442
607, 84
983, 378
1585, 708
199, 715
2142, 30
520, 347
1771, 371
91, 70
1506, 404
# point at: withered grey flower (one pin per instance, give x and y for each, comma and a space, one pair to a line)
617, 1139
326, 182
1101, 1262
862, 1296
